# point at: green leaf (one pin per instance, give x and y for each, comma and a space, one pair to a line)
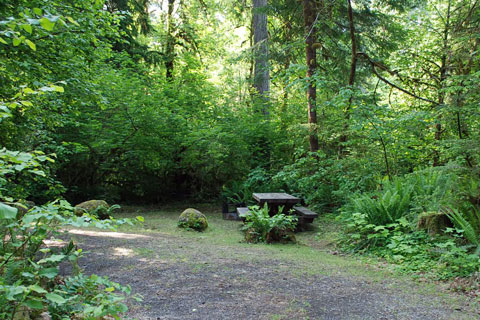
31, 45
28, 275
53, 258
37, 289
26, 103
37, 11
28, 91
59, 89
38, 172
3, 41
53, 88
7, 212
34, 304
47, 24
49, 273
55, 298
73, 21
140, 218
16, 42
28, 28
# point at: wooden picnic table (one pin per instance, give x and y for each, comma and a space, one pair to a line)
276, 200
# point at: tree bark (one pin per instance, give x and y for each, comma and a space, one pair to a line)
351, 78
260, 42
443, 78
309, 15
170, 47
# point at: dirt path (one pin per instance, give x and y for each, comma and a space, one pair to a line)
185, 275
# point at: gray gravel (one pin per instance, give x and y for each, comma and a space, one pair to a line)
184, 279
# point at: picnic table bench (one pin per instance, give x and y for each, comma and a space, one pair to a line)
277, 200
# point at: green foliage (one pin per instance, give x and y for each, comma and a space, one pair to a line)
29, 270
467, 219
259, 226
405, 197
27, 176
258, 180
390, 206
412, 252
384, 223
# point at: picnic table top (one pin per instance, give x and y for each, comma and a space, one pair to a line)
276, 198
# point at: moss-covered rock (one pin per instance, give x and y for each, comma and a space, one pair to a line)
98, 208
434, 222
23, 207
193, 219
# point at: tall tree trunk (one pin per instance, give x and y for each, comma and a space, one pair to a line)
351, 78
170, 48
286, 65
260, 41
309, 15
443, 78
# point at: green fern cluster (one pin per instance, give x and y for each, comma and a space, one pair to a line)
259, 224
467, 218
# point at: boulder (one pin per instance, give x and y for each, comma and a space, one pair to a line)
22, 206
434, 222
193, 219
98, 208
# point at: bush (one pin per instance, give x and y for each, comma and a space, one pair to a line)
439, 257
383, 223
407, 196
260, 227
30, 283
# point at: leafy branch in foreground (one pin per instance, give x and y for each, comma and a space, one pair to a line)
30, 280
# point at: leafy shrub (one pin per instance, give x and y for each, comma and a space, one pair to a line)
383, 223
385, 208
406, 196
326, 182
258, 180
467, 218
411, 251
29, 272
260, 227
26, 175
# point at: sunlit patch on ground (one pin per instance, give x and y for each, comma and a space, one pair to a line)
116, 235
122, 251
54, 243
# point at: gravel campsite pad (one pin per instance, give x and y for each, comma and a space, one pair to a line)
214, 275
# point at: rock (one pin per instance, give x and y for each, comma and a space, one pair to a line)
434, 222
22, 313
98, 208
44, 316
22, 207
193, 219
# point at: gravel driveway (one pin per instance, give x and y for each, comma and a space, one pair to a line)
184, 275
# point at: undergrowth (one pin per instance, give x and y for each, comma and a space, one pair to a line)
385, 224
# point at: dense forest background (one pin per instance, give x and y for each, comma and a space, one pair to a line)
368, 110
145, 101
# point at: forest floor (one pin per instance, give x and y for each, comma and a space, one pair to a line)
214, 275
